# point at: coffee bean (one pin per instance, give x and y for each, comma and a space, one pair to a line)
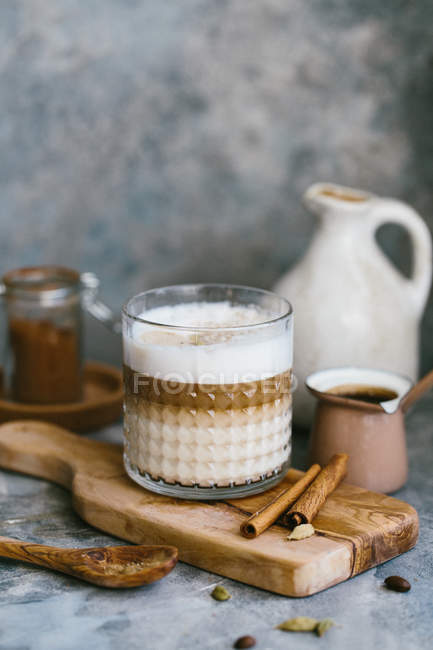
397, 584
245, 642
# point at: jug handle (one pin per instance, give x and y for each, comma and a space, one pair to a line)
394, 211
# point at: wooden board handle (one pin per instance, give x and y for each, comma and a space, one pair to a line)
49, 452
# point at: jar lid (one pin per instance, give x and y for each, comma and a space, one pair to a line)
49, 283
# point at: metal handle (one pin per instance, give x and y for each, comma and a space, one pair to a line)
98, 309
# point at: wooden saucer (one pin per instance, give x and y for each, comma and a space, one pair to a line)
101, 404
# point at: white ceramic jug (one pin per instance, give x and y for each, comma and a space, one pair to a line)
352, 306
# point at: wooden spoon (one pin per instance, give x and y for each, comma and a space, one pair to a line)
106, 566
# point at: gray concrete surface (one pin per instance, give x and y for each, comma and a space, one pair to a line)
40, 610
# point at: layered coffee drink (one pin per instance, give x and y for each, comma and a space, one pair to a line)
208, 400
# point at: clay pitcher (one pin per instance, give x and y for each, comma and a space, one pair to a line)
353, 306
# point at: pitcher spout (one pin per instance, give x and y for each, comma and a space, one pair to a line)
325, 197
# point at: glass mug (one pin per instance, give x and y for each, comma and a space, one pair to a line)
208, 383
43, 356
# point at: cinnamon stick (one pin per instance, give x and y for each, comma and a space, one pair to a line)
263, 518
309, 504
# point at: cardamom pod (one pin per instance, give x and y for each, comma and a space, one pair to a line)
301, 532
299, 624
323, 626
220, 593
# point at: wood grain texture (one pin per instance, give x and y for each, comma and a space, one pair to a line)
417, 391
106, 566
101, 404
356, 529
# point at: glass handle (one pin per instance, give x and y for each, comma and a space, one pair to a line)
98, 309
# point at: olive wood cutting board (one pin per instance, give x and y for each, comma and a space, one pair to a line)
355, 529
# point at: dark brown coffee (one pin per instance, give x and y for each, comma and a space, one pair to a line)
369, 394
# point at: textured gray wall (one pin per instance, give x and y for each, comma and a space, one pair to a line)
160, 142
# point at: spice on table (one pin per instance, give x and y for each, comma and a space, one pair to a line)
299, 624
263, 518
220, 593
396, 583
306, 624
323, 626
246, 641
301, 532
309, 504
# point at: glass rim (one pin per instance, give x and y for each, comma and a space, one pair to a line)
188, 328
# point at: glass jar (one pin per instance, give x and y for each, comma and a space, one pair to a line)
43, 356
208, 383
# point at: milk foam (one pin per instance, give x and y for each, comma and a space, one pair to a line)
210, 357
208, 314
